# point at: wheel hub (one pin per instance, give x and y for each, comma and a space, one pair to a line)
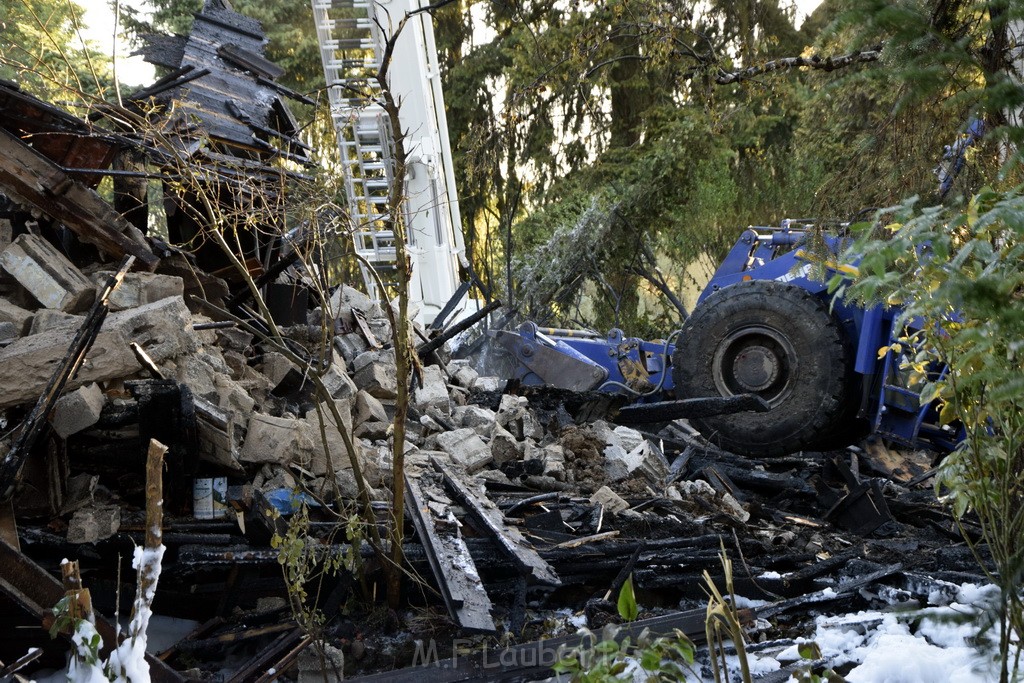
756, 368
755, 360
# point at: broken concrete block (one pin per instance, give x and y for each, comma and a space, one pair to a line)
6, 233
734, 508
504, 446
554, 461
487, 384
350, 297
16, 315
510, 405
466, 448
647, 461
200, 370
373, 430
277, 478
94, 523
138, 289
474, 416
696, 488
350, 345
77, 410
433, 393
364, 359
280, 440
236, 361
629, 438
8, 331
615, 463
626, 451
336, 379
232, 396
514, 414
163, 329
380, 328
643, 460
234, 339
376, 374
45, 272
317, 458
611, 501
46, 320
368, 408
462, 373
276, 367
429, 425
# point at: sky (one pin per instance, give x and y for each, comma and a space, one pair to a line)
99, 21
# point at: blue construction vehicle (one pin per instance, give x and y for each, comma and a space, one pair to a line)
765, 328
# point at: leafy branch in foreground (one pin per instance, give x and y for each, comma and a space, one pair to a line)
959, 275
615, 658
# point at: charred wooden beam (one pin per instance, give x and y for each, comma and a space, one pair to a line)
438, 530
509, 539
841, 591
666, 411
33, 425
280, 648
218, 642
249, 60
437, 342
29, 178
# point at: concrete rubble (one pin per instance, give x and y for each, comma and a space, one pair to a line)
255, 422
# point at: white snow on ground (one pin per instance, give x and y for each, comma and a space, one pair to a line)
931, 645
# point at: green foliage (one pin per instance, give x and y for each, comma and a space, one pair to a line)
41, 49
960, 272
305, 561
64, 619
615, 658
665, 659
626, 603
811, 653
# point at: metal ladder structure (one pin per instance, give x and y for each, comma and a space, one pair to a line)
352, 34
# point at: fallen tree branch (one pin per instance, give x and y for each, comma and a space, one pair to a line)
812, 62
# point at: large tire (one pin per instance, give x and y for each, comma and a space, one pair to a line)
775, 340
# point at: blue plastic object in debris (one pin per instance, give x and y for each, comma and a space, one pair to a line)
287, 501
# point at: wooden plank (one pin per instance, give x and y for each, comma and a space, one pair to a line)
489, 516
457, 577
8, 525
30, 178
265, 658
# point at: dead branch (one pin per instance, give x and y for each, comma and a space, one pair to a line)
812, 62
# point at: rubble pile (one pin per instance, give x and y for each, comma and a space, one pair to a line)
544, 511
526, 509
